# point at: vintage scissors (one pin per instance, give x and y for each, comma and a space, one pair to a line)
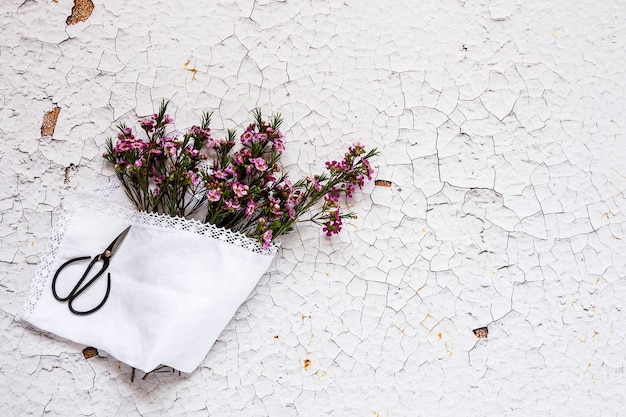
79, 288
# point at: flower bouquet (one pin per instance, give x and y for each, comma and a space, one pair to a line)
181, 194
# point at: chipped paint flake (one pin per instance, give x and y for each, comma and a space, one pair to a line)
90, 352
481, 332
81, 11
50, 121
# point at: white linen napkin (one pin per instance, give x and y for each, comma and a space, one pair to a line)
175, 283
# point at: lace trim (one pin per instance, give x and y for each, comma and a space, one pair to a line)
46, 262
103, 201
104, 206
108, 189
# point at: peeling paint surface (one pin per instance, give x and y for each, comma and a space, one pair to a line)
499, 202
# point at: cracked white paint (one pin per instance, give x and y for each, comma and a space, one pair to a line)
502, 129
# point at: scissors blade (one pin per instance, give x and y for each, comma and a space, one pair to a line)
117, 242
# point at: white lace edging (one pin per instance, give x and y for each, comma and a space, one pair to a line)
108, 189
45, 265
104, 202
104, 206
100, 202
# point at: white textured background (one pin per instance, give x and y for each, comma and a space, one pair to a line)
502, 126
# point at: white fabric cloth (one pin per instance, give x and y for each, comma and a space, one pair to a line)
175, 283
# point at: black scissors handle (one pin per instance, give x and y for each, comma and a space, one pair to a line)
78, 289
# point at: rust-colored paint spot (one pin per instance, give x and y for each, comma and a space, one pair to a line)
481, 332
305, 317
382, 183
80, 12
90, 352
307, 364
439, 335
50, 121
399, 329
193, 70
276, 337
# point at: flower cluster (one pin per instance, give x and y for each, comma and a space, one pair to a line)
161, 174
242, 188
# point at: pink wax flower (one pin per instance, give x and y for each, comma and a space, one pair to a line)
180, 174
240, 189
214, 195
259, 163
